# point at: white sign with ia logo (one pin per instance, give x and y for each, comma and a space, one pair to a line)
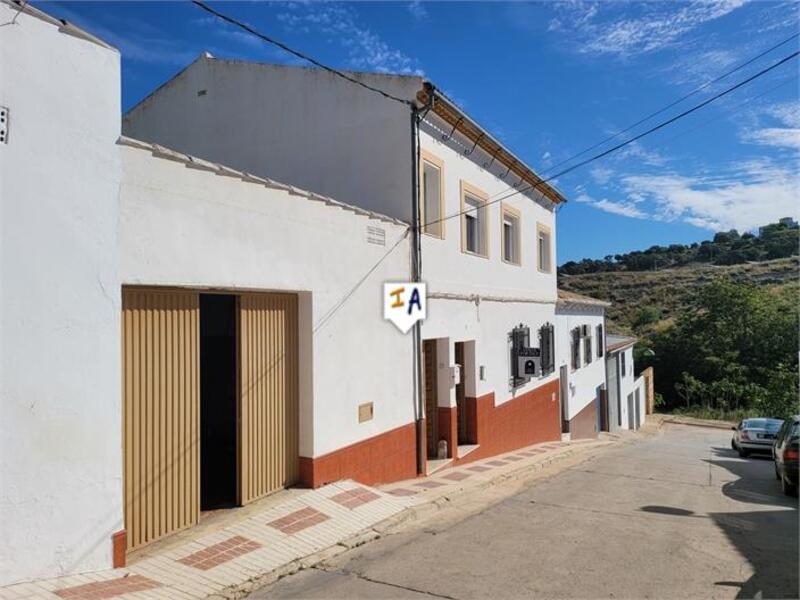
404, 304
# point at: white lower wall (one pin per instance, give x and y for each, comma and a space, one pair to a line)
583, 383
488, 324
186, 227
60, 451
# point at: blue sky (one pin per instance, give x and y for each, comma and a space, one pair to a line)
549, 79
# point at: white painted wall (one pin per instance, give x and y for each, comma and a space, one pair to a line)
186, 227
60, 446
584, 381
446, 268
624, 384
488, 324
300, 126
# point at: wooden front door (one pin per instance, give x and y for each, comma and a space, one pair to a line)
269, 409
431, 397
161, 434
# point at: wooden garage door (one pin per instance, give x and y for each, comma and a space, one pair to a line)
268, 449
160, 334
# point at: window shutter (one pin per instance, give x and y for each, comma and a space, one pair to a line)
600, 343
576, 348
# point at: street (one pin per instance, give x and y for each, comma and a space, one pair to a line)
675, 515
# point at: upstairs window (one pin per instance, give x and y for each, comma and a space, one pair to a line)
432, 196
622, 362
511, 235
543, 248
473, 225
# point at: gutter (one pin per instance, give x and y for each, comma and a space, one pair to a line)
449, 111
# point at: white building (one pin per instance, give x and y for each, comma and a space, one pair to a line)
627, 397
487, 271
580, 326
131, 278
176, 316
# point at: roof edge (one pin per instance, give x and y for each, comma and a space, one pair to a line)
194, 162
448, 110
63, 25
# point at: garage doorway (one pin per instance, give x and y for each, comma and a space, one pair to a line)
218, 400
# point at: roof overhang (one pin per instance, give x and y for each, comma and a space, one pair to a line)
449, 112
566, 299
615, 343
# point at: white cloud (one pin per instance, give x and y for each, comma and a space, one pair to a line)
610, 28
601, 175
788, 136
546, 155
340, 24
622, 208
774, 136
418, 10
750, 194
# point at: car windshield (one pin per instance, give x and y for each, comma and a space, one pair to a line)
771, 425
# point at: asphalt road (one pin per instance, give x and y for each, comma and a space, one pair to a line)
678, 515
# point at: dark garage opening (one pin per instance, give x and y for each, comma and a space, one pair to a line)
217, 401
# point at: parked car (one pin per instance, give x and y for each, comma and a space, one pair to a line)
785, 452
755, 435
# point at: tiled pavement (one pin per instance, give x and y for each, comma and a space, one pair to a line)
264, 541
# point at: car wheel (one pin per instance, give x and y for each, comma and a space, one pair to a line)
788, 488
743, 453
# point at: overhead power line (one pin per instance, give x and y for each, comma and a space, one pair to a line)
621, 145
298, 54
674, 103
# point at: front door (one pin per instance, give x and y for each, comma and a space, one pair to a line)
564, 387
461, 402
630, 411
431, 401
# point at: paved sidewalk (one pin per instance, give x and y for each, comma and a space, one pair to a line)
239, 556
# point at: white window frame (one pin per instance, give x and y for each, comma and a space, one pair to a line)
541, 230
482, 197
509, 211
437, 163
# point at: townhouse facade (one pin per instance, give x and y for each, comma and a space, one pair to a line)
193, 297
489, 265
628, 395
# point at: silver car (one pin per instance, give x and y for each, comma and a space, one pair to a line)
755, 435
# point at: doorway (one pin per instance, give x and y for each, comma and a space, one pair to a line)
461, 395
564, 387
218, 401
431, 396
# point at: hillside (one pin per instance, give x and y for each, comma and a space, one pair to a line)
644, 301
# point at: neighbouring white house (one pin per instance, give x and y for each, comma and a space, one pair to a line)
580, 327
191, 313
175, 335
627, 394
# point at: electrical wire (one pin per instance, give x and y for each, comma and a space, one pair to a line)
671, 104
622, 144
298, 54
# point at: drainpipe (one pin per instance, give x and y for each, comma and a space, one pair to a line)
416, 274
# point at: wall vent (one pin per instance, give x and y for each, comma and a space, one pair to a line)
376, 235
4, 116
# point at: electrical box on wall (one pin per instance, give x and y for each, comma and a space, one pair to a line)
455, 374
529, 366
365, 412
